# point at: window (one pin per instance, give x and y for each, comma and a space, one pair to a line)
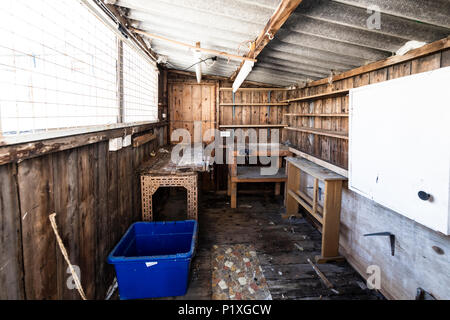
58, 69
140, 87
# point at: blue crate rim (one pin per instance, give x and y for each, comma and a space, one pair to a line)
185, 255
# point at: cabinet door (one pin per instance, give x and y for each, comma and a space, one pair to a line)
400, 145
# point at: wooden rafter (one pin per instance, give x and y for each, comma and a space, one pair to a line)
276, 21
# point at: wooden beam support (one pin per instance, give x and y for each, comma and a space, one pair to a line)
254, 89
179, 43
413, 54
260, 85
32, 149
331, 94
276, 21
143, 139
255, 104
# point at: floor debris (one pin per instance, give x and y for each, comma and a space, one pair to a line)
327, 282
237, 274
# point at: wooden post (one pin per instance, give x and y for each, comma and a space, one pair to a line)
293, 184
331, 222
315, 196
277, 188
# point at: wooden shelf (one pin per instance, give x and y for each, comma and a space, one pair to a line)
254, 89
316, 114
319, 96
321, 132
255, 104
223, 126
253, 174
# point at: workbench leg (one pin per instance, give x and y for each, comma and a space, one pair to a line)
293, 183
331, 222
229, 186
233, 195
277, 188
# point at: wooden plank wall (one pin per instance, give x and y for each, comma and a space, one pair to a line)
96, 196
250, 114
190, 102
415, 264
335, 150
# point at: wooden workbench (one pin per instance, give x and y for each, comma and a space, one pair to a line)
251, 174
328, 215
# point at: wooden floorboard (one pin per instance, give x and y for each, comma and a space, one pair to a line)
283, 247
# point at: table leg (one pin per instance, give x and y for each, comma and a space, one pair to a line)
277, 188
233, 195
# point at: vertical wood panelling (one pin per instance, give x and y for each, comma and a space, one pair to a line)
65, 181
96, 196
35, 177
87, 215
189, 102
11, 275
103, 223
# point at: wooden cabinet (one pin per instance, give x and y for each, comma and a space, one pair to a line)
400, 146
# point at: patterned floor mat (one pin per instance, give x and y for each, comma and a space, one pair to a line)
237, 274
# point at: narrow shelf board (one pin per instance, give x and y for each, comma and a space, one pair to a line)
253, 174
316, 114
253, 125
255, 104
318, 96
343, 172
305, 205
315, 170
321, 132
254, 89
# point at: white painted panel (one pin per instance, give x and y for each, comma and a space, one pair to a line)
400, 145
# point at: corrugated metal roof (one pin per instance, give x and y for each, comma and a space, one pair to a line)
320, 37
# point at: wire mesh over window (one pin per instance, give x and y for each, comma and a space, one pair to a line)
140, 87
58, 69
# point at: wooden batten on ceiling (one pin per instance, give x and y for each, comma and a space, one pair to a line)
198, 48
260, 85
276, 21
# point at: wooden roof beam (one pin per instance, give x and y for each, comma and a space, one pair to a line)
276, 21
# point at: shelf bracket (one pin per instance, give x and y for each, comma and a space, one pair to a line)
387, 234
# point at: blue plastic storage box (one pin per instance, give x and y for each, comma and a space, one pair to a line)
153, 258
